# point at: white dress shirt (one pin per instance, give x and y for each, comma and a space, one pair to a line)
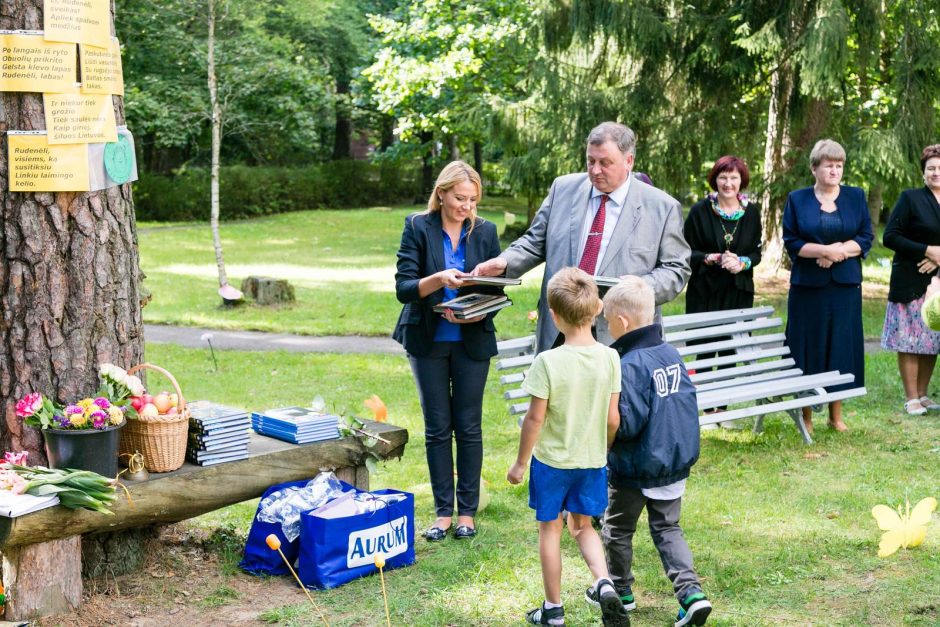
612, 211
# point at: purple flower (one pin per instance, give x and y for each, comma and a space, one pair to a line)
99, 419
63, 421
102, 402
73, 409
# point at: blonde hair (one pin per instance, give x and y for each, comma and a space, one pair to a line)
453, 174
826, 150
632, 297
572, 295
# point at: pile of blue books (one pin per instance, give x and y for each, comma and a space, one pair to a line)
217, 433
300, 425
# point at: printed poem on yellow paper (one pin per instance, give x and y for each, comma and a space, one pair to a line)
35, 166
79, 118
78, 21
101, 69
29, 63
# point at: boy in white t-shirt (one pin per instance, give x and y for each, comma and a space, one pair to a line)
656, 444
570, 424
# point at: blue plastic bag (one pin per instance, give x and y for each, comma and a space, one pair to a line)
259, 559
337, 548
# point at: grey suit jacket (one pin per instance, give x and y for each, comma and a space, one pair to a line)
647, 242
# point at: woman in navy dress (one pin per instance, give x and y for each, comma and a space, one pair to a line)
827, 232
913, 233
450, 358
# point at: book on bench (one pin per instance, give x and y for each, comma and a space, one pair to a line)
13, 505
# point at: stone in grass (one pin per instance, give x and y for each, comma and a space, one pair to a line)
266, 290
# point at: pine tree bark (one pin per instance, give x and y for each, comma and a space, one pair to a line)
69, 275
69, 301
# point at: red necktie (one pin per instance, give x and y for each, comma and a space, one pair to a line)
593, 245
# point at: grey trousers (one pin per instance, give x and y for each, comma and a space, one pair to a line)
624, 507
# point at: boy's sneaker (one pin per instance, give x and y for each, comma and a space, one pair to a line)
693, 610
546, 616
604, 596
626, 597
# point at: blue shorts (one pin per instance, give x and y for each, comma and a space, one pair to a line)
578, 490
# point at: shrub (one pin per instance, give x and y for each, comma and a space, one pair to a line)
246, 191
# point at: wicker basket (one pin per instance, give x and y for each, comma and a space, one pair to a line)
161, 439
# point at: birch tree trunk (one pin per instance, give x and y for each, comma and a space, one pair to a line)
69, 301
216, 146
775, 149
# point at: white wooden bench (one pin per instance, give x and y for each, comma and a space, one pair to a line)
756, 379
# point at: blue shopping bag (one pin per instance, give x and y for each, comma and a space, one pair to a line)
336, 548
259, 559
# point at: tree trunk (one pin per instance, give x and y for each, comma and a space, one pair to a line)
427, 166
478, 157
775, 147
388, 132
453, 150
342, 137
70, 300
216, 147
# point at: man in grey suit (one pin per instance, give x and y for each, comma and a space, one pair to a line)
606, 222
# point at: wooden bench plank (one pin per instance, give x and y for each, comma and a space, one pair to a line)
711, 318
755, 378
763, 353
722, 330
707, 376
732, 344
757, 391
516, 346
194, 490
818, 397
510, 395
509, 379
515, 362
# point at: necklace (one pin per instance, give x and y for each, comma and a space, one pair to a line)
734, 217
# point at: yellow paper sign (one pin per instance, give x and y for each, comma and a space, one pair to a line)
101, 69
35, 166
78, 21
79, 118
30, 63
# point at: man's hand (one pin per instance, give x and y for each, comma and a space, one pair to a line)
492, 267
516, 473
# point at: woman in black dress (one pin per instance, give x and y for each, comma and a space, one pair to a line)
724, 232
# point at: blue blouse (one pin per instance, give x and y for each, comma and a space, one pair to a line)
454, 259
830, 226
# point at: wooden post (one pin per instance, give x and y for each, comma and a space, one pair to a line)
43, 579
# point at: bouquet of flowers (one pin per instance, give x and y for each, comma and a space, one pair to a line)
108, 407
75, 488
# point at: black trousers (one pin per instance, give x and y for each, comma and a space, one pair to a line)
450, 387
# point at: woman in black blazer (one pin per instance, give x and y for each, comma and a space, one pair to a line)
450, 358
913, 233
827, 232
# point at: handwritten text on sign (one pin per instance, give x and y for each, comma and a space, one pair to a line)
79, 118
78, 21
35, 166
29, 63
101, 69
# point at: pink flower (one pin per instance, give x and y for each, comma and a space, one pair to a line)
99, 419
9, 480
16, 458
102, 402
29, 405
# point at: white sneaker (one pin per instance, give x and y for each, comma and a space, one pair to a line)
914, 407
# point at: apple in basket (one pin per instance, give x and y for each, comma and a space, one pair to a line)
149, 410
162, 402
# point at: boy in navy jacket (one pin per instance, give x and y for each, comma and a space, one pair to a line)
655, 446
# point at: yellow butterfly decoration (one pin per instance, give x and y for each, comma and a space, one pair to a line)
906, 528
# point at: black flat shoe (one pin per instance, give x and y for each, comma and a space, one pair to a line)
435, 534
463, 531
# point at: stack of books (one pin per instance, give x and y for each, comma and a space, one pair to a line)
473, 305
299, 425
217, 433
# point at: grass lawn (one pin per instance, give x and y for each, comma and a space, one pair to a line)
342, 266
781, 532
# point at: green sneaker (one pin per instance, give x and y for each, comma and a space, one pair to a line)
693, 610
